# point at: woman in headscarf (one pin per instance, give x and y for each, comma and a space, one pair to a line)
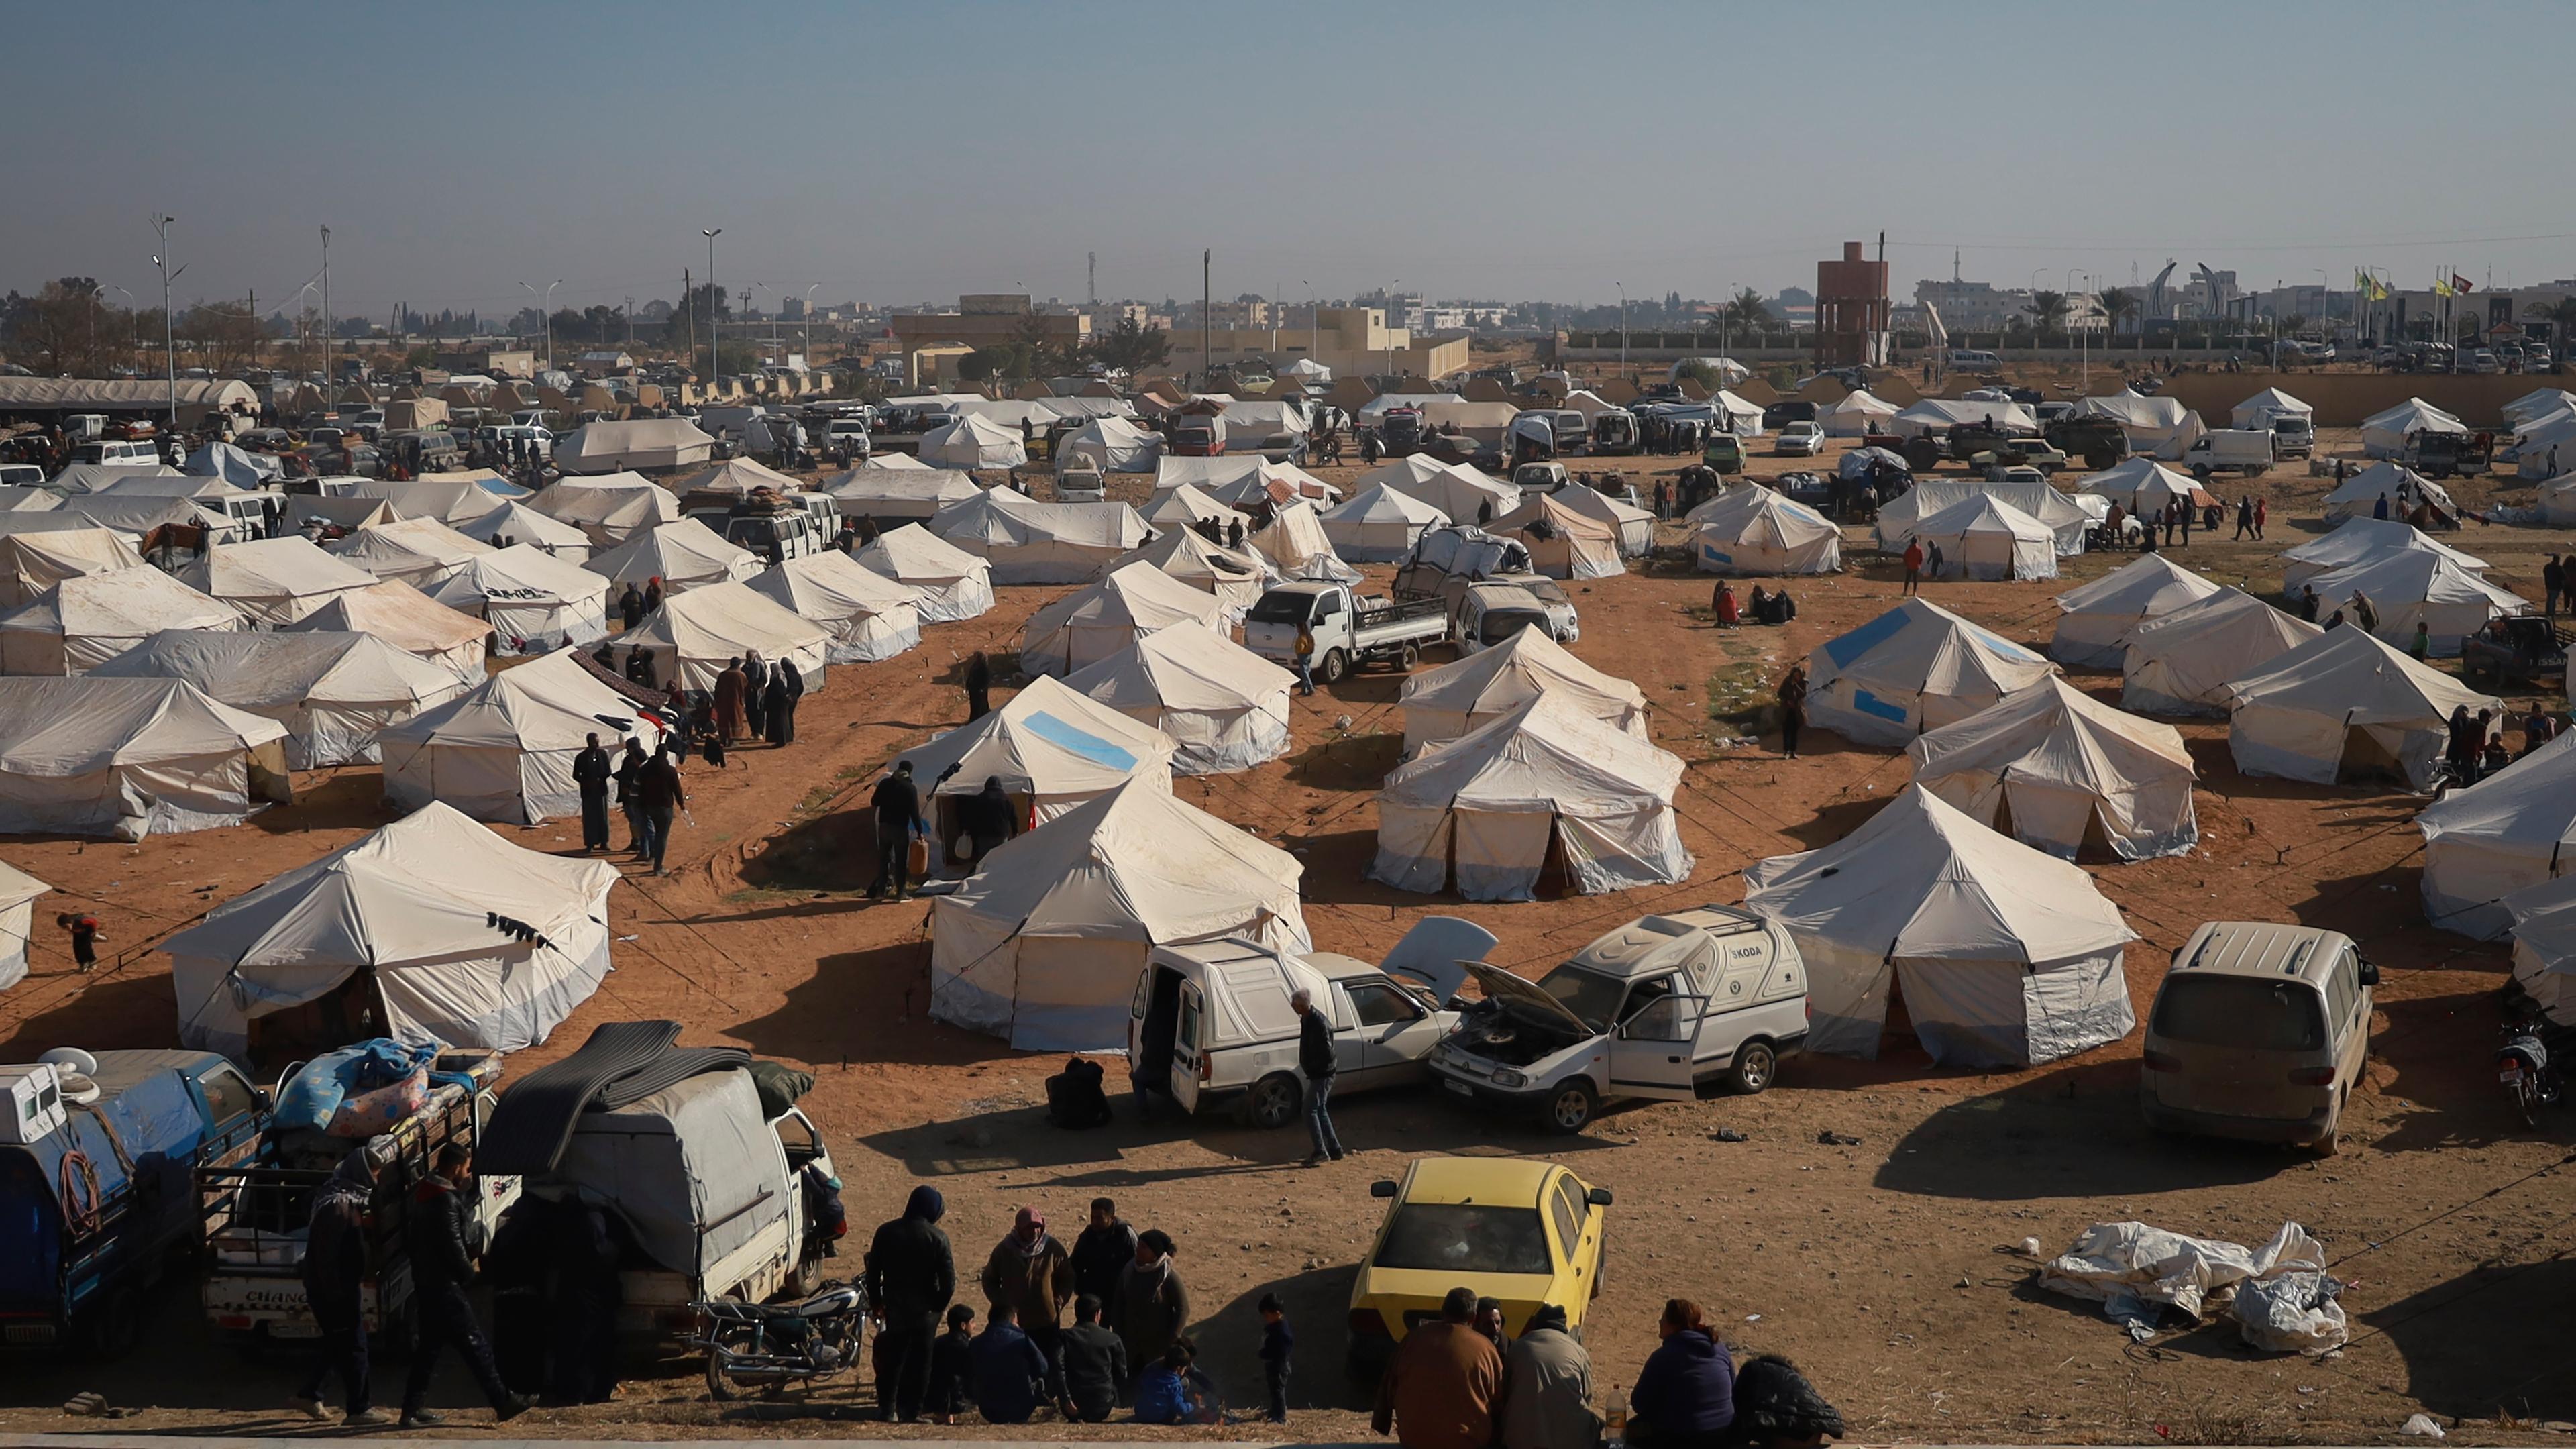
731, 686
1033, 1273
778, 710
755, 693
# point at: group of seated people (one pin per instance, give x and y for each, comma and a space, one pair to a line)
1762, 608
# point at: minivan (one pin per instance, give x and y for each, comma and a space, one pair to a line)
2258, 1033
120, 452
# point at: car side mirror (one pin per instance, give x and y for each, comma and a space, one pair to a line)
1383, 1187
2369, 974
1598, 1197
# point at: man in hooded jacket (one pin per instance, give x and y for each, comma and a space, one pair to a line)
1547, 1387
911, 1276
1030, 1271
442, 1269
335, 1271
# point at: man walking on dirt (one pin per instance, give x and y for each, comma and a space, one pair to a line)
1913, 565
434, 1234
591, 773
897, 804
1315, 1058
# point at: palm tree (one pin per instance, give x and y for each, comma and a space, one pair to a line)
2560, 315
2117, 303
2048, 309
1746, 313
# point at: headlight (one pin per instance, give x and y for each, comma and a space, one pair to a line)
1506, 1077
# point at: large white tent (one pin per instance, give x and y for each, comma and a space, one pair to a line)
1297, 547
1634, 527
2540, 402
1457, 490
215, 458
2179, 663
2258, 411
2156, 426
534, 601
2507, 833
1933, 416
2544, 946
1235, 580
1225, 707
1857, 414
421, 552
412, 622
868, 616
515, 522
1456, 699
2143, 486
899, 495
1051, 748
2387, 434
18, 892
1379, 524
1240, 479
1493, 805
1564, 542
610, 509
2052, 766
737, 479
2359, 495
2412, 586
1113, 445
453, 499
1027, 542
947, 582
1914, 668
1096, 621
1185, 504
1899, 517
33, 562
334, 693
404, 915
131, 757
1044, 945
973, 441
2006, 956
2361, 540
610, 447
2341, 704
692, 636
2094, 620
83, 622
273, 581
504, 750
2546, 449
684, 554
1986, 538
1753, 532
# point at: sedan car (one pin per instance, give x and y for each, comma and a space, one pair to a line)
1799, 440
1521, 1232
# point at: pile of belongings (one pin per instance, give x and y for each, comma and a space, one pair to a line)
2280, 1294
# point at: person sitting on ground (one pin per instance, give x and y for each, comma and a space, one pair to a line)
952, 1368
1547, 1387
1011, 1374
1776, 1408
1163, 1394
1685, 1395
1444, 1384
1724, 606
1759, 606
1095, 1365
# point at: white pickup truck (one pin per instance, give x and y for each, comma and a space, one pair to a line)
1347, 629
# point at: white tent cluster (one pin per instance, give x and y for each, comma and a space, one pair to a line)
1900, 518
1224, 707
948, 584
2179, 663
1026, 542
333, 692
2342, 704
128, 758
1916, 667
504, 749
1753, 532
1051, 748
1443, 703
2054, 768
693, 636
1096, 621
867, 616
2094, 620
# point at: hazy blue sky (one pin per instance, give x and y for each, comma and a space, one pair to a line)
1496, 149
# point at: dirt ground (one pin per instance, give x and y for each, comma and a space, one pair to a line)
1888, 1269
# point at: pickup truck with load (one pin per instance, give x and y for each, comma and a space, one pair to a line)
2523, 649
1348, 630
95, 1197
2099, 441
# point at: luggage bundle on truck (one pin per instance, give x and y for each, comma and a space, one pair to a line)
95, 1203
257, 1209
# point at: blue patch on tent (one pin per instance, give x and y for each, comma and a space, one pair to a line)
1712, 555
1090, 746
2003, 646
1868, 636
1868, 703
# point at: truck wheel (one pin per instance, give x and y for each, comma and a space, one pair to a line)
1336, 664
1410, 658
1569, 1110
1754, 1066
1273, 1101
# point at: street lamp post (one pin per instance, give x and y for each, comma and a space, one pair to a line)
808, 320
169, 327
546, 315
326, 307
1314, 318
1623, 325
714, 357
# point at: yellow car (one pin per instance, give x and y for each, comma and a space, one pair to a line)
1525, 1233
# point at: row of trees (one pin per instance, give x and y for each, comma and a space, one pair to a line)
1033, 352
68, 327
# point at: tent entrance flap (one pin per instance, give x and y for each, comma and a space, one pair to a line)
352, 1010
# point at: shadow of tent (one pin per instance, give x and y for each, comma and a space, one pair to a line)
1832, 822
130, 1010
353, 798
2494, 1338
867, 1006
1317, 1303
2074, 1133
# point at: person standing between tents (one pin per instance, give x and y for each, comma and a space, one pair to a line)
652, 593
1932, 560
755, 694
2262, 508
979, 686
2553, 582
1793, 709
1913, 565
1151, 1307
989, 819
630, 606
335, 1271
1030, 1273
629, 799
1305, 660
2462, 744
658, 790
434, 1236
730, 686
897, 804
1315, 1058
910, 1277
2364, 612
2244, 516
778, 707
590, 771
85, 938
2379, 510
2309, 603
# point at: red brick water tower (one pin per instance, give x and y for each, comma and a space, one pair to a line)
1852, 309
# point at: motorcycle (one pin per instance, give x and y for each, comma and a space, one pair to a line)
2530, 1064
772, 1344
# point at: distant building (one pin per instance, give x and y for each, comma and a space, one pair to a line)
1352, 341
1851, 310
1973, 306
492, 362
986, 319
608, 363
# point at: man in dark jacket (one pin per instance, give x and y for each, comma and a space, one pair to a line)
1315, 1058
1095, 1364
897, 804
910, 1277
590, 771
1102, 1251
658, 793
630, 606
441, 1269
1011, 1372
989, 818
629, 802
1151, 1307
335, 1270
979, 687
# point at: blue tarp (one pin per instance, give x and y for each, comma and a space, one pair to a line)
1090, 746
315, 1092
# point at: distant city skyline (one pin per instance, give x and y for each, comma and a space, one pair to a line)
1505, 152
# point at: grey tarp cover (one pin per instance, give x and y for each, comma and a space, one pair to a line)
334, 692
688, 1168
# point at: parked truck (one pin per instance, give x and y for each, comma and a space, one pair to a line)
96, 1154
1347, 629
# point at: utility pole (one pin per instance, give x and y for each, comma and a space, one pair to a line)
714, 300
169, 327
1207, 314
327, 369
630, 324
689, 313
1092, 288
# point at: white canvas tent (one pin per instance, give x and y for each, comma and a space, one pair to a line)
1045, 945
611, 447
1544, 779
504, 750
1986, 538
1225, 707
18, 892
868, 616
334, 693
2386, 434
1184, 504
2179, 663
684, 554
421, 552
1234, 580
215, 458
1443, 703
83, 622
973, 441
33, 562
515, 522
412, 622
453, 499
1379, 524
2537, 403
2094, 620
738, 479
1634, 528
1051, 748
1296, 546
1113, 445
1752, 532
408, 910
2258, 411
2052, 767
2544, 946
1935, 416
2066, 518
534, 601
2006, 957
1858, 413
899, 495
1096, 621
2158, 427
1563, 542
1238, 479
610, 509
2509, 832
2361, 540
692, 636
2413, 586
1027, 542
2342, 704
2141, 485
1455, 489
273, 581
1916, 667
2358, 496
948, 583
129, 758
2546, 449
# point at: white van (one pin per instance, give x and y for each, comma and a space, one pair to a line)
1970, 359
1653, 1009
2294, 435
2258, 1033
120, 452
1211, 1027
2247, 450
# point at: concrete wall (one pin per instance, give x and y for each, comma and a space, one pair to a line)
2343, 399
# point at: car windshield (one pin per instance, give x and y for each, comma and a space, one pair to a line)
1281, 607
1591, 996
1465, 1238
2245, 1012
